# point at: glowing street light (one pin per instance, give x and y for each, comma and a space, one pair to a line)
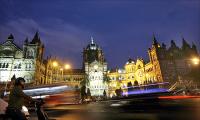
67, 66
195, 61
55, 64
55, 72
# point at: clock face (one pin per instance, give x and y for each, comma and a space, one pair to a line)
96, 67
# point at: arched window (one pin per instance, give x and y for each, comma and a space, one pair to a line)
4, 65
27, 54
136, 83
139, 66
28, 78
29, 65
30, 54
19, 66
7, 65
15, 66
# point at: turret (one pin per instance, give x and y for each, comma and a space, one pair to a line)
164, 46
155, 42
26, 41
10, 38
185, 45
36, 39
194, 48
93, 52
173, 44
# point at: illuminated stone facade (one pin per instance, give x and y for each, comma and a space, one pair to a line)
173, 63
165, 65
95, 67
117, 80
24, 62
59, 74
73, 77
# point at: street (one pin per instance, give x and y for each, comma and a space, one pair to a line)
142, 109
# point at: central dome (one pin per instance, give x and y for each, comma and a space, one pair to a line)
92, 45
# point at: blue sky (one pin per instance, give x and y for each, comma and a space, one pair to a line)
123, 28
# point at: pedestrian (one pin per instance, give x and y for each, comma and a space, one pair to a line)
17, 99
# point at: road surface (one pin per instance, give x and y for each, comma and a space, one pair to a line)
143, 109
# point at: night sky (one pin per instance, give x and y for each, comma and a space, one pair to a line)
122, 29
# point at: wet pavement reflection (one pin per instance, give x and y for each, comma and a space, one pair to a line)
129, 109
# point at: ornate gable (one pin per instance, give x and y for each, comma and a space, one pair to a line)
9, 49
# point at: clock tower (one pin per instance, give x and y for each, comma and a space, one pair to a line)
95, 67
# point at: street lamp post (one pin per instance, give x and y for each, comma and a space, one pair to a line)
61, 70
58, 70
196, 69
67, 67
55, 73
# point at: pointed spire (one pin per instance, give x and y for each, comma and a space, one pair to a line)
36, 38
92, 40
10, 37
163, 46
155, 42
194, 47
185, 45
36, 35
130, 60
173, 44
26, 40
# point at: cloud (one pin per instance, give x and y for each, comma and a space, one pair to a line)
60, 38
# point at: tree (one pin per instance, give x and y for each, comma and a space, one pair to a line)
85, 81
83, 93
119, 92
88, 93
106, 79
83, 84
